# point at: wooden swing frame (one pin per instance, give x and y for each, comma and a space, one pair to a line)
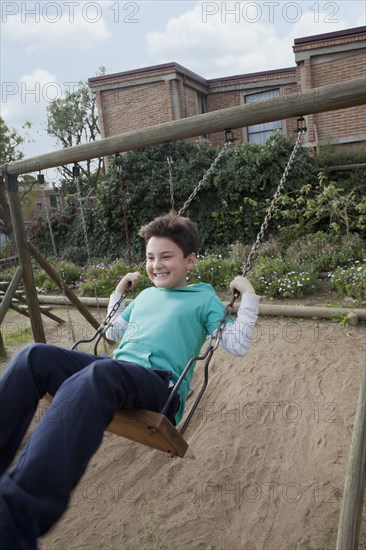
147, 427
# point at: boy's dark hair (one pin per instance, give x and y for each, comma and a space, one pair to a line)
182, 231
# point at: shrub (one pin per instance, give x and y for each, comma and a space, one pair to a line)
324, 252
68, 272
6, 250
102, 278
76, 254
215, 270
335, 207
7, 273
43, 281
350, 281
96, 279
283, 277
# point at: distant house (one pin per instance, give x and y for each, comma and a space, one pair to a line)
143, 97
37, 204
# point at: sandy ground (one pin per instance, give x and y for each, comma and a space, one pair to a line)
268, 451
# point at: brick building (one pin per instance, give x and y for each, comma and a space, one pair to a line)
325, 60
37, 204
144, 97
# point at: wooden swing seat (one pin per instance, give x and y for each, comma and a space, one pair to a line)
148, 428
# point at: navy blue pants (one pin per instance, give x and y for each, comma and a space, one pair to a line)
90, 390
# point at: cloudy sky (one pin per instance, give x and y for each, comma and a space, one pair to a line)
47, 47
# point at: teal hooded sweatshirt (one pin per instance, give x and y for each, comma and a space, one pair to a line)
167, 327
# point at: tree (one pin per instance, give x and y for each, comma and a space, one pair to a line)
10, 141
73, 120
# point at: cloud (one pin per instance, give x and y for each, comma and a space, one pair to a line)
52, 24
306, 26
214, 48
225, 38
27, 98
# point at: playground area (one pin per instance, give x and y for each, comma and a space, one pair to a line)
270, 441
267, 456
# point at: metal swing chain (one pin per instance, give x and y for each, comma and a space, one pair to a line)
216, 336
121, 181
169, 161
228, 141
40, 179
76, 176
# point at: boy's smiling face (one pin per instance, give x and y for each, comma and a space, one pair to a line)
166, 265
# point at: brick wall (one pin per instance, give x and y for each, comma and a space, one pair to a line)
221, 100
325, 61
344, 122
134, 107
188, 101
145, 97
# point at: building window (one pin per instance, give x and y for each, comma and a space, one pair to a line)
39, 206
201, 103
202, 108
55, 202
259, 133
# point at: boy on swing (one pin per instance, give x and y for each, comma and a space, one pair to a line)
160, 331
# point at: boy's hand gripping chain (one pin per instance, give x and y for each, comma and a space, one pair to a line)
101, 330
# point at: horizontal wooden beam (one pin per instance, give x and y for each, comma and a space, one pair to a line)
264, 309
317, 100
345, 167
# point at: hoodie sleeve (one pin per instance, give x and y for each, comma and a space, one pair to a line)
118, 324
237, 337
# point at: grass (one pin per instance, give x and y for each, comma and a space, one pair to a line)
21, 335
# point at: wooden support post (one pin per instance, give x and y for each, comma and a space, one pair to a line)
10, 291
62, 286
2, 348
11, 185
354, 486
